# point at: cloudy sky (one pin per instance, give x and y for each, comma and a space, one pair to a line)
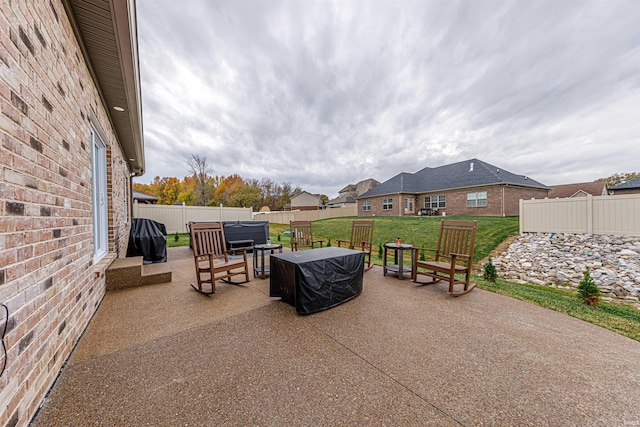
322, 94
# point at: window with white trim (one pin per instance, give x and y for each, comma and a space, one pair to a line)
477, 199
387, 204
435, 202
99, 189
366, 205
127, 196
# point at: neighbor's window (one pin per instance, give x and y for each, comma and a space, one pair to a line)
435, 202
366, 205
387, 204
477, 199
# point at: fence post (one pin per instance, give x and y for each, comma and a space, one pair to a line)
521, 208
184, 217
589, 214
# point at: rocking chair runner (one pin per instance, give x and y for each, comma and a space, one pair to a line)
302, 235
361, 239
453, 256
212, 259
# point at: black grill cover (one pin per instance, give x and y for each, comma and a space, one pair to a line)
148, 238
316, 279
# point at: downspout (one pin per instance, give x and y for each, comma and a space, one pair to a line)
503, 215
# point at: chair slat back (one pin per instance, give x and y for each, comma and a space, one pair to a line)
301, 234
456, 237
208, 239
361, 234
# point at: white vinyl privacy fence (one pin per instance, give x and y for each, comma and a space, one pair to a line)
285, 217
619, 215
175, 218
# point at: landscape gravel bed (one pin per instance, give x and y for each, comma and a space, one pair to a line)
560, 260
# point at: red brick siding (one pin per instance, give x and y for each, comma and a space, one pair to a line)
47, 276
456, 202
627, 191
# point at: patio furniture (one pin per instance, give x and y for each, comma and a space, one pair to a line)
397, 267
211, 257
361, 238
260, 268
316, 279
302, 235
452, 257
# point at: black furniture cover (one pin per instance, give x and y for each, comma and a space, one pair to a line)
258, 231
148, 238
316, 279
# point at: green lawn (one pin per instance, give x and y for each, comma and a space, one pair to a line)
423, 232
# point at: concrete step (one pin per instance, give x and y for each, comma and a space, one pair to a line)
130, 272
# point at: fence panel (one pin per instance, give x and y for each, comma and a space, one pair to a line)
592, 214
280, 217
175, 218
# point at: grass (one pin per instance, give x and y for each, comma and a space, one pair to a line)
623, 319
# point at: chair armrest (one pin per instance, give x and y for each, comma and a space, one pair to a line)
424, 249
459, 257
343, 241
243, 249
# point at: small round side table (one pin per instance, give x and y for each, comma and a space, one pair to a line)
260, 269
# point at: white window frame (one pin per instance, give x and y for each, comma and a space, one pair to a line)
435, 202
387, 204
366, 205
477, 199
100, 208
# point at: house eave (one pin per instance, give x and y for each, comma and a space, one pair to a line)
107, 35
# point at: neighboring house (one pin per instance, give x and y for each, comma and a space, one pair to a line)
144, 198
630, 187
71, 131
471, 187
348, 195
305, 201
595, 188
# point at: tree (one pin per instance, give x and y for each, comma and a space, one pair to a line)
619, 178
200, 171
226, 188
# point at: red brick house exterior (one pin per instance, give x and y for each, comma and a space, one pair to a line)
71, 139
448, 190
630, 187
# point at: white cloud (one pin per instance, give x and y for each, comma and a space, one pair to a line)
322, 94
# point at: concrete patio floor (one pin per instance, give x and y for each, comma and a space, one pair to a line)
397, 355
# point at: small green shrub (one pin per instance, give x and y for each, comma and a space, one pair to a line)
176, 237
380, 251
422, 257
490, 273
328, 242
588, 290
278, 237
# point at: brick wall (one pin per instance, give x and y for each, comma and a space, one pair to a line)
48, 278
456, 202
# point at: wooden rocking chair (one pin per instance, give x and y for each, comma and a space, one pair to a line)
302, 235
212, 259
361, 239
453, 256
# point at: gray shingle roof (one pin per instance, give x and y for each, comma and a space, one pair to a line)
469, 173
632, 183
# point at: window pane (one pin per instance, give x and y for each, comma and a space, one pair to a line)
471, 196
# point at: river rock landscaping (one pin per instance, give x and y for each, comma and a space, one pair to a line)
560, 260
